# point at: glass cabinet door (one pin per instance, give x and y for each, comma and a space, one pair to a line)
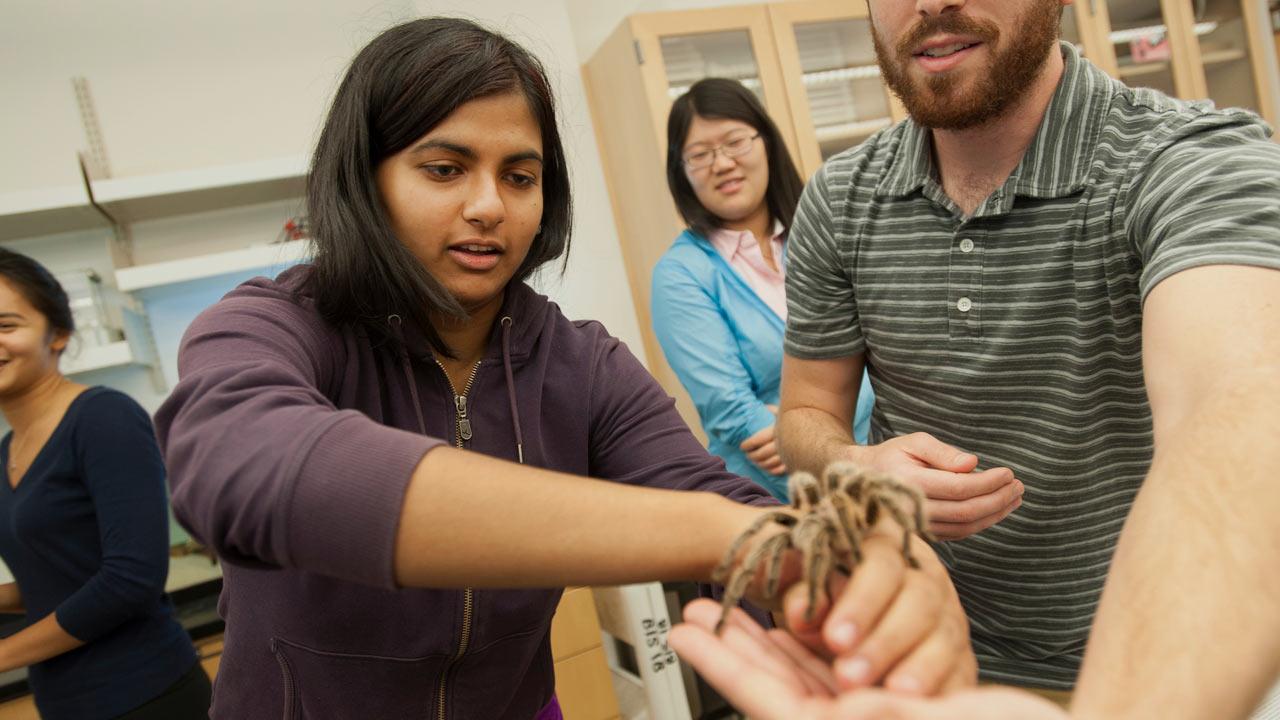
1225, 52
726, 54
845, 96
828, 62
675, 49
1143, 44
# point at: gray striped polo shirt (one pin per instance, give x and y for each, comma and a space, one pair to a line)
1016, 334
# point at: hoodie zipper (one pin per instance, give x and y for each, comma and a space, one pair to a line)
462, 430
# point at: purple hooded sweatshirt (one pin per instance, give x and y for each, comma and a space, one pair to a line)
290, 443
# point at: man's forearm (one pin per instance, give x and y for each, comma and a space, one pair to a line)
810, 439
1188, 626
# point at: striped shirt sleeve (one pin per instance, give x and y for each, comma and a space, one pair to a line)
1209, 197
822, 308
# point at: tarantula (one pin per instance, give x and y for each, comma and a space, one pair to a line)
836, 512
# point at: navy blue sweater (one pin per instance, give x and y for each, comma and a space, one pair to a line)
86, 536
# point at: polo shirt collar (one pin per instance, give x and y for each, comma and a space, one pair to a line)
1058, 160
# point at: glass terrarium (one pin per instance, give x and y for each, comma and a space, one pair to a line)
89, 310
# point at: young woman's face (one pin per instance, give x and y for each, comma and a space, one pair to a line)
466, 198
28, 351
731, 188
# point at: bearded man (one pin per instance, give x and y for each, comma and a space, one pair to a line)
1067, 294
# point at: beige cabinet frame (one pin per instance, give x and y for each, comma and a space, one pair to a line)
784, 18
649, 29
627, 86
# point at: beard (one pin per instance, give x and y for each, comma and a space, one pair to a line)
940, 101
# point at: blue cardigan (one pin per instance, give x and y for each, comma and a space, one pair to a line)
86, 535
725, 345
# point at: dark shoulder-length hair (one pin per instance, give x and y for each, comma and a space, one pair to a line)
401, 85
724, 99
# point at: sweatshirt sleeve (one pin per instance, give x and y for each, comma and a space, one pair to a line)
116, 449
263, 467
638, 438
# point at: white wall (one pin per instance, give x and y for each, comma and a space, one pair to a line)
177, 85
181, 86
594, 20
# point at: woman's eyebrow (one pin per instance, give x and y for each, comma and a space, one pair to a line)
467, 152
522, 156
452, 147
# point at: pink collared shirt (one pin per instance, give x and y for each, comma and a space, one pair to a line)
741, 250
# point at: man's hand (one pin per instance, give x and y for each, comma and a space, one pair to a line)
961, 502
889, 624
819, 399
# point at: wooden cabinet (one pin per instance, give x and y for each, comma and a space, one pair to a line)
584, 685
1275, 26
631, 81
813, 64
1192, 49
821, 102
828, 62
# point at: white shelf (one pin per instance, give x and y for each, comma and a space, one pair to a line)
116, 354
846, 131
190, 570
47, 211
172, 272
841, 75
1119, 37
751, 83
135, 349
147, 197
1212, 57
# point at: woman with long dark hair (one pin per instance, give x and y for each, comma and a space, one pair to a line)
84, 527
368, 566
718, 302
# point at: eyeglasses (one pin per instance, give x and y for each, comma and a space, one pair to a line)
731, 148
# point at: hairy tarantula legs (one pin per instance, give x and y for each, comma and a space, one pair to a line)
835, 514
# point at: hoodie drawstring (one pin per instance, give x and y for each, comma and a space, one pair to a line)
394, 321
406, 365
511, 386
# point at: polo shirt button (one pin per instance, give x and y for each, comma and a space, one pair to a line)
964, 305
966, 245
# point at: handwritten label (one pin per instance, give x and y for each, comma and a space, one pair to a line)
659, 655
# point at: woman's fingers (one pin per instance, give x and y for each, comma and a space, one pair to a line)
931, 665
907, 623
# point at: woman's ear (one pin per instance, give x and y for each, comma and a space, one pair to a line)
60, 340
